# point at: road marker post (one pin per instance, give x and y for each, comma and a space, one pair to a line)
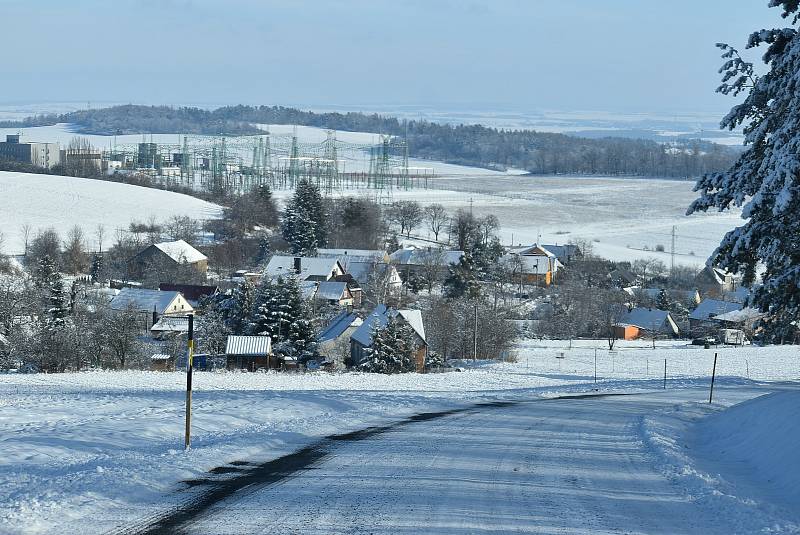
713, 375
189, 365
665, 374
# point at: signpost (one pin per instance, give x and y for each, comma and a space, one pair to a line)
189, 363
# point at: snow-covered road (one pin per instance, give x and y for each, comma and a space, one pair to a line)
569, 465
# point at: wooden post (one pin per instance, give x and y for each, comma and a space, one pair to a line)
713, 375
475, 335
189, 363
595, 365
665, 374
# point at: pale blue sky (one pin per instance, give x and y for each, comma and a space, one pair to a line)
622, 55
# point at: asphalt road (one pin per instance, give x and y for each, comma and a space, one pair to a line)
573, 466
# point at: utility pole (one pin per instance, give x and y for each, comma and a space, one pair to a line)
475, 335
672, 253
189, 363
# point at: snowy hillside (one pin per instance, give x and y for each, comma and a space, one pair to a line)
61, 202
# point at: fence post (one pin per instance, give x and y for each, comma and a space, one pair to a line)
189, 363
713, 375
665, 374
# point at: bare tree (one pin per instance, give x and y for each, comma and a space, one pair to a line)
407, 214
99, 233
436, 218
26, 229
74, 256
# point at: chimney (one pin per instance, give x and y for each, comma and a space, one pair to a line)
155, 315
297, 261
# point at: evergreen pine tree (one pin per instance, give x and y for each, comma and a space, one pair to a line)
282, 314
663, 302
765, 180
462, 280
392, 349
304, 222
96, 270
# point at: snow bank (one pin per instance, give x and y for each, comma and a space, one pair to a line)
741, 462
755, 444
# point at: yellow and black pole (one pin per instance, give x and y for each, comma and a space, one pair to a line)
189, 363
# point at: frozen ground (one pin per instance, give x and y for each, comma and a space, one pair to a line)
55, 201
107, 446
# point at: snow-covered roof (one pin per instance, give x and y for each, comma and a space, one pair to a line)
338, 325
739, 316
346, 256
171, 324
708, 308
414, 318
180, 251
309, 267
308, 289
417, 257
647, 318
380, 317
145, 300
250, 346
331, 291
362, 271
532, 250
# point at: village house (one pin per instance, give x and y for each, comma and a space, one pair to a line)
334, 340
249, 353
152, 304
167, 326
705, 316
564, 253
715, 282
533, 264
374, 276
640, 321
361, 338
328, 292
171, 254
419, 261
305, 268
193, 293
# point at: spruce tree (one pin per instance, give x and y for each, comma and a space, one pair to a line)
392, 348
305, 220
282, 314
765, 180
663, 302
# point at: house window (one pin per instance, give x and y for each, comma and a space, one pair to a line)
181, 307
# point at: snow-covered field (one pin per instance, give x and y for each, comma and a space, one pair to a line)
79, 443
625, 218
44, 201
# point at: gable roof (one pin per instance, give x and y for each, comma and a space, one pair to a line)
280, 265
362, 271
180, 251
345, 256
648, 319
145, 300
708, 308
380, 318
563, 252
250, 346
171, 324
338, 325
192, 292
331, 290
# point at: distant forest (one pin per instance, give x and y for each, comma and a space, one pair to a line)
475, 145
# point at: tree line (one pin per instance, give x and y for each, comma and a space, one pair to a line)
474, 145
